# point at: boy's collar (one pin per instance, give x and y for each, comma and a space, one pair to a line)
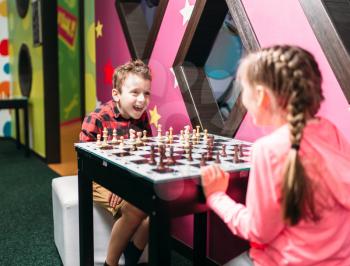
117, 114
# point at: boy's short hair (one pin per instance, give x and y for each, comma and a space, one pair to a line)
137, 67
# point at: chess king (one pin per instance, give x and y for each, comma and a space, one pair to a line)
125, 113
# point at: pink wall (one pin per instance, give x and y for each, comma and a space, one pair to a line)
111, 48
283, 22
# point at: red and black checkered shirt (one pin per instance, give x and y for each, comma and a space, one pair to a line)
108, 116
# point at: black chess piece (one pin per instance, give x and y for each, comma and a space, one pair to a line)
152, 160
223, 150
171, 158
190, 159
161, 165
217, 159
203, 161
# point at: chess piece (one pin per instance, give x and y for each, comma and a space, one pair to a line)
139, 140
194, 133
240, 150
144, 137
217, 159
159, 130
205, 137
161, 165
223, 151
151, 159
98, 142
203, 161
105, 136
121, 144
190, 159
171, 158
182, 138
171, 137
166, 136
236, 155
114, 134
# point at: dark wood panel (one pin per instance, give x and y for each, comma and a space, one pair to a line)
139, 37
330, 23
339, 12
200, 35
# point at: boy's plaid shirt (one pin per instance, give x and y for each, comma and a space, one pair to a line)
107, 115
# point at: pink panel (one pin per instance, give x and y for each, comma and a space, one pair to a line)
166, 95
111, 48
283, 22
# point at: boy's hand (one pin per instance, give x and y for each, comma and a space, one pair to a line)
114, 200
214, 179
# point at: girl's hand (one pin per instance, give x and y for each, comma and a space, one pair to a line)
114, 200
214, 179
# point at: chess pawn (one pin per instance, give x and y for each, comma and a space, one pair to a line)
223, 151
98, 142
121, 144
182, 136
171, 158
236, 155
190, 159
205, 137
166, 136
151, 159
105, 136
203, 162
194, 133
114, 134
197, 131
159, 130
144, 137
138, 140
171, 133
240, 150
217, 159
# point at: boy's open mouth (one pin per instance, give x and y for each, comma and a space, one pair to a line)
138, 108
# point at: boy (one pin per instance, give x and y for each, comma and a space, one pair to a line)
127, 114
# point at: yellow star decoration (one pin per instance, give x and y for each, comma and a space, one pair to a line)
154, 116
98, 29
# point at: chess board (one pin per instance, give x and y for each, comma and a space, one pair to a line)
137, 158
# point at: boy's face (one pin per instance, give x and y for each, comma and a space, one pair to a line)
134, 97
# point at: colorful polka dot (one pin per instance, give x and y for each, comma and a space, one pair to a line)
4, 51
7, 68
7, 129
5, 88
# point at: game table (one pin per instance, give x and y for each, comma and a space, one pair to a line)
19, 103
161, 192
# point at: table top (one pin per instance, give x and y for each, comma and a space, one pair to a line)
231, 154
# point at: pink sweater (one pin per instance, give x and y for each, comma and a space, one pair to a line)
326, 157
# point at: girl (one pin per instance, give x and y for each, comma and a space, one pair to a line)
297, 208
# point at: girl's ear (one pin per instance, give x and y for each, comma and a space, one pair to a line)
263, 97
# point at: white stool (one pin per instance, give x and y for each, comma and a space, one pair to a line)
66, 224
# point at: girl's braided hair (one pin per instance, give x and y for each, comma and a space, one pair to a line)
293, 76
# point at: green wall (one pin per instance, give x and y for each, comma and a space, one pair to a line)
20, 31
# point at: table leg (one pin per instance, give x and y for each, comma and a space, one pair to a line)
199, 238
159, 239
26, 130
17, 129
86, 236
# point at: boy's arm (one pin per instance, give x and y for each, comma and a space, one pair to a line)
90, 128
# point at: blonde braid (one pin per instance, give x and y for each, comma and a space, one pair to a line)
292, 75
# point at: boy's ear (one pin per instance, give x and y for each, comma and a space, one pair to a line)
116, 95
